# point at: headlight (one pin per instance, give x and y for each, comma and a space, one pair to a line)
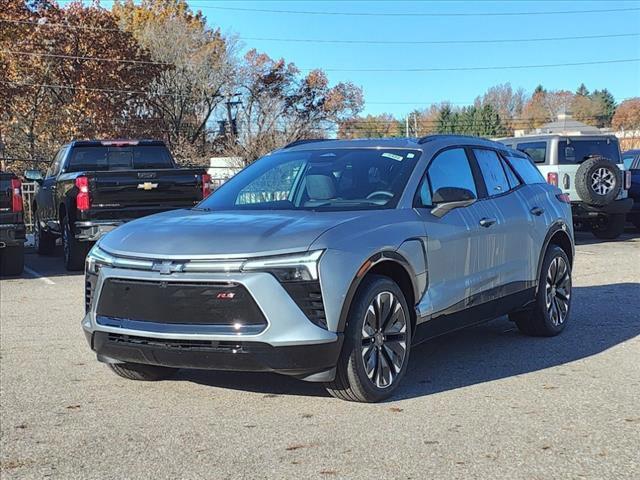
96, 259
298, 267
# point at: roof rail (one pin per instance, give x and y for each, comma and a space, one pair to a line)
436, 136
302, 142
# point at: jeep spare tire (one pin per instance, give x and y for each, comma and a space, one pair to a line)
598, 181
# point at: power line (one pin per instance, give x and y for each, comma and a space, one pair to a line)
82, 57
438, 42
358, 42
423, 14
462, 69
367, 70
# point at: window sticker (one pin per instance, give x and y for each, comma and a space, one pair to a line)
393, 156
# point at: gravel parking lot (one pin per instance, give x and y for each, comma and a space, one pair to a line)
484, 403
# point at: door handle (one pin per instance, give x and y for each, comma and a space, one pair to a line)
537, 211
487, 222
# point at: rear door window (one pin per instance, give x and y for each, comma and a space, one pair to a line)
577, 151
536, 150
527, 171
494, 176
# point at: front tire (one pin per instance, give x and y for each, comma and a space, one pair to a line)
74, 251
611, 228
145, 373
552, 306
375, 353
12, 260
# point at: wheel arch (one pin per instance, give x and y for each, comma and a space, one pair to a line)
390, 264
558, 235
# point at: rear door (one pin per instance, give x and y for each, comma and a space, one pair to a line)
508, 257
47, 190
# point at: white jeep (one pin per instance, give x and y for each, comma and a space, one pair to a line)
589, 169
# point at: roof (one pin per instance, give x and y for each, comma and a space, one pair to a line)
408, 143
567, 124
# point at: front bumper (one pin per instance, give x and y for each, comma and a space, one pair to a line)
289, 343
12, 234
92, 231
580, 209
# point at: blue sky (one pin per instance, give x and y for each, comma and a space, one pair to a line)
399, 92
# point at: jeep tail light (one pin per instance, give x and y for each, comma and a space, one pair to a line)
83, 200
564, 198
206, 185
552, 178
627, 179
16, 195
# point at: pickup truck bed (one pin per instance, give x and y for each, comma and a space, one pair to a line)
94, 186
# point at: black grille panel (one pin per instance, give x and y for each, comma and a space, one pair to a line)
182, 345
308, 297
184, 303
89, 286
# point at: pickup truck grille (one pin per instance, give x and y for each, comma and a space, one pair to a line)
180, 303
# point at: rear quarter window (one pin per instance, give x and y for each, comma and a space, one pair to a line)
536, 150
525, 168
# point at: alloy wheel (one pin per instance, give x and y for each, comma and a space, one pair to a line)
558, 290
603, 181
384, 339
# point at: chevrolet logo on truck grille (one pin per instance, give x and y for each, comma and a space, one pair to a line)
147, 186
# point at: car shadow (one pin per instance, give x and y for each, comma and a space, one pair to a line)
481, 354
587, 238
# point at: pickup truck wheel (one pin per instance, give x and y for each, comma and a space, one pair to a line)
147, 373
550, 312
610, 227
74, 251
12, 260
43, 241
375, 353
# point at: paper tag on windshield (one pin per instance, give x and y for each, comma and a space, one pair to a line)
393, 156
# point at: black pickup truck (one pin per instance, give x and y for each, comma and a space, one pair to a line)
12, 230
91, 187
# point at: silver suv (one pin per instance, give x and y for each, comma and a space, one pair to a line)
330, 260
589, 169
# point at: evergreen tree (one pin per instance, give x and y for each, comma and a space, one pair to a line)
582, 91
607, 105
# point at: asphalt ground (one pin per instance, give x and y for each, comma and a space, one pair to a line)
487, 402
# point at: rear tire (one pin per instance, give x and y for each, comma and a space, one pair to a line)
598, 181
44, 242
74, 251
12, 260
145, 373
550, 312
375, 353
612, 227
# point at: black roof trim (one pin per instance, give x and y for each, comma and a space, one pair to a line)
438, 136
302, 142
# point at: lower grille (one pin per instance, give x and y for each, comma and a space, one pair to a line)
89, 286
181, 345
179, 303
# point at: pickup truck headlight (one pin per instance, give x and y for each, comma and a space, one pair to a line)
298, 267
96, 259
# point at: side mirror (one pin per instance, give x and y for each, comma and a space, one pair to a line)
449, 198
33, 175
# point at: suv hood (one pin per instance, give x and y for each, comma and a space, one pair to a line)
195, 234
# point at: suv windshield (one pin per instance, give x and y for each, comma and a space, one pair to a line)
577, 151
137, 157
327, 179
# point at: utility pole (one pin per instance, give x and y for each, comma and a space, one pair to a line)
415, 125
231, 121
406, 126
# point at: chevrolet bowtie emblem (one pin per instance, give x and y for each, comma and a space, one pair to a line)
147, 186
